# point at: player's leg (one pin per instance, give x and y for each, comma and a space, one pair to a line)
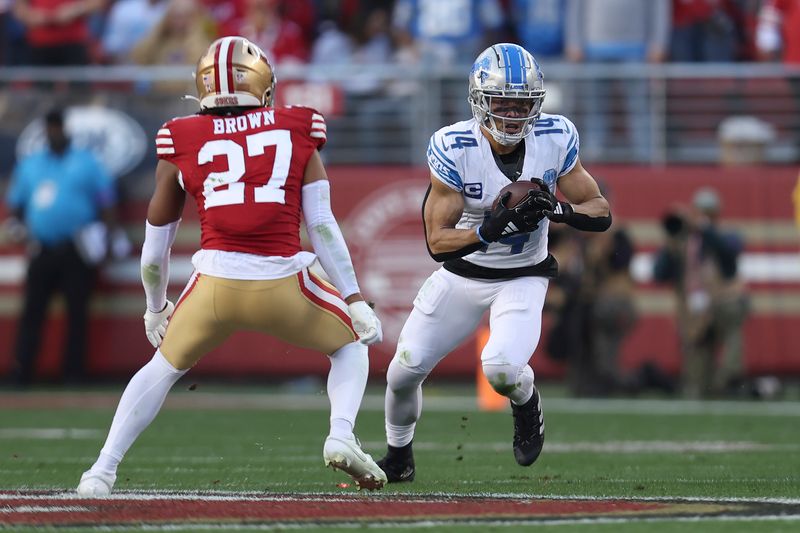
515, 328
193, 331
445, 312
305, 311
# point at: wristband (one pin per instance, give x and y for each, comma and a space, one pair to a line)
480, 237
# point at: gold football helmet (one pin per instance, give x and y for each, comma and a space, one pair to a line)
234, 72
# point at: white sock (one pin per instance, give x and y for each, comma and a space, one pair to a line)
347, 380
138, 406
403, 403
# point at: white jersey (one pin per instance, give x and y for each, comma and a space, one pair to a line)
461, 158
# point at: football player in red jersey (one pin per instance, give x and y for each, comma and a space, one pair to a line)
252, 169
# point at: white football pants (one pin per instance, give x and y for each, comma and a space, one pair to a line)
446, 311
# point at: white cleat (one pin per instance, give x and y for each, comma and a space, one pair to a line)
95, 485
346, 455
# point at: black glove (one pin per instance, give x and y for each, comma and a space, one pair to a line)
503, 222
550, 207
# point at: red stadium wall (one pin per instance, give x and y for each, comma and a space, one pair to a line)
379, 210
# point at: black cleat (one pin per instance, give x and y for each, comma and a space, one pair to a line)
528, 430
398, 464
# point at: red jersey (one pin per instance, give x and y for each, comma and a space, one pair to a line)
245, 173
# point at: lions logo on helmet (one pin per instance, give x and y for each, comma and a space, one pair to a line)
504, 73
234, 72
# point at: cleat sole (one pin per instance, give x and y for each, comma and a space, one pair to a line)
364, 482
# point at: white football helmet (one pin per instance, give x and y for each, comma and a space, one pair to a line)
508, 72
234, 72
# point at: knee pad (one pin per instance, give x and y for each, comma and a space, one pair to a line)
401, 378
512, 381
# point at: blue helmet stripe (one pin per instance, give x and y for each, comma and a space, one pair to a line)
515, 65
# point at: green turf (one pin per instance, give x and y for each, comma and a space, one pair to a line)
457, 452
461, 452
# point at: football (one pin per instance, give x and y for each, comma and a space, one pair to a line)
518, 190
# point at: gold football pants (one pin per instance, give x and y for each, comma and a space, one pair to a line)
300, 309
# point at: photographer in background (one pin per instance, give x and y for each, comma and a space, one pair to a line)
701, 261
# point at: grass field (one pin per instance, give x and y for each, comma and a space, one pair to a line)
737, 463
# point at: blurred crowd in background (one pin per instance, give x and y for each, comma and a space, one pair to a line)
147, 32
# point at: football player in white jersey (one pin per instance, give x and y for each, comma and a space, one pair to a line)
494, 258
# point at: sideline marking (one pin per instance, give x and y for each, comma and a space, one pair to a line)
375, 402
615, 446
50, 433
325, 496
207, 511
45, 509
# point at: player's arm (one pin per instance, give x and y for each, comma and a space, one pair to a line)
441, 211
161, 226
585, 209
329, 245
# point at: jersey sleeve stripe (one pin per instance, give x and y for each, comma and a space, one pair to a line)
163, 131
433, 151
440, 153
445, 173
572, 142
447, 182
318, 135
164, 140
319, 126
569, 161
316, 117
165, 150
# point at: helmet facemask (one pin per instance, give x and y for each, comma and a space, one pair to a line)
507, 116
506, 92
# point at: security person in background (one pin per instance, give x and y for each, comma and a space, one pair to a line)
56, 198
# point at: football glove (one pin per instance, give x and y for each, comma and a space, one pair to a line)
365, 322
155, 324
550, 207
503, 222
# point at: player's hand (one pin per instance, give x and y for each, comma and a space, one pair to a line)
155, 324
547, 203
503, 222
553, 209
365, 322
